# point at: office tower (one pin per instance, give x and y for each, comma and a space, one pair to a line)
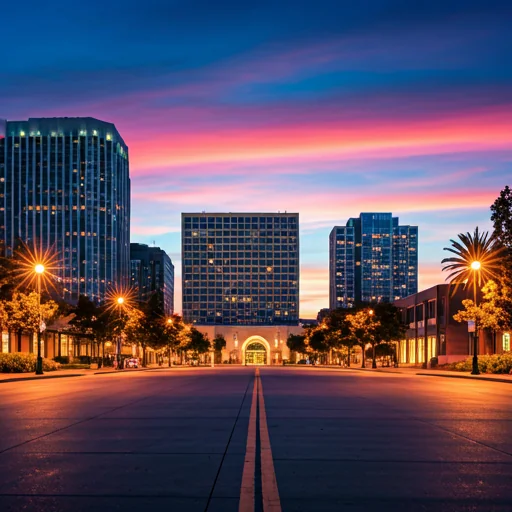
372, 259
64, 185
152, 272
240, 268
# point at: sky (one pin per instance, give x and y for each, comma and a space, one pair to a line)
326, 108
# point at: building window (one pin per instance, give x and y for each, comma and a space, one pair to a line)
5, 342
64, 345
412, 350
421, 350
506, 342
432, 352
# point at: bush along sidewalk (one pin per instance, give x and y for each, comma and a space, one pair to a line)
21, 362
496, 363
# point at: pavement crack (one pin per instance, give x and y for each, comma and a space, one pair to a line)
227, 445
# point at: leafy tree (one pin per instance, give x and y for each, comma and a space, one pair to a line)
362, 327
389, 326
297, 343
198, 343
24, 312
502, 218
502, 222
316, 341
219, 342
175, 335
339, 333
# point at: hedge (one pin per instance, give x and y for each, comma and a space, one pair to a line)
21, 362
496, 363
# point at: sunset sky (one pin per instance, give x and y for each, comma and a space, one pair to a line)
324, 108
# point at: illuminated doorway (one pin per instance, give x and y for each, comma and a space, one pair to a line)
255, 353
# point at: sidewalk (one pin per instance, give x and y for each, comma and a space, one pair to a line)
502, 377
60, 374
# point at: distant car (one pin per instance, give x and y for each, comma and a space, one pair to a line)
302, 361
132, 363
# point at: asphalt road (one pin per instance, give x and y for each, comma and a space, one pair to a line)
197, 440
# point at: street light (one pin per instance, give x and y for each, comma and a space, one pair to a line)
120, 302
475, 266
39, 270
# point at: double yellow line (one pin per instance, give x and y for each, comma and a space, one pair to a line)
270, 493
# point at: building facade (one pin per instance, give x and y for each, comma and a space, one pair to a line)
372, 259
65, 186
433, 333
240, 268
152, 272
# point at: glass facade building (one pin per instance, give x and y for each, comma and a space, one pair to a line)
152, 272
372, 259
240, 268
64, 185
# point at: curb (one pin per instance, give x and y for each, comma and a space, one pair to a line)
476, 377
120, 372
16, 379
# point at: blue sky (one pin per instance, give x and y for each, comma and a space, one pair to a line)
325, 108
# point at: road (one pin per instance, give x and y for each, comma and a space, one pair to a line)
229, 439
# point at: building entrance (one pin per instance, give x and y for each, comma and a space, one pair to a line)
255, 353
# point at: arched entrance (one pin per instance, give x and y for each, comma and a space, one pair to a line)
256, 351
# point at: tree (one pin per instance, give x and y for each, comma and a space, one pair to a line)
316, 341
198, 343
502, 218
362, 327
502, 222
24, 313
389, 327
297, 343
478, 247
477, 261
175, 335
488, 314
338, 332
218, 343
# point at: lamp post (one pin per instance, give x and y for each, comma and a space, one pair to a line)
169, 324
120, 302
39, 270
475, 266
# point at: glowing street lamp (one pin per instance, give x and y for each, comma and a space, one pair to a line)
39, 271
120, 302
475, 266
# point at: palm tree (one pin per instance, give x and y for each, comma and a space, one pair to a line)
477, 261
478, 247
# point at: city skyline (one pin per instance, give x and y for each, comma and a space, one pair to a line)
323, 109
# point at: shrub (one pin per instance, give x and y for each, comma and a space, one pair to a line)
21, 362
496, 363
75, 366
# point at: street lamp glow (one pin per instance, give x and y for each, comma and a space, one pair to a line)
120, 300
39, 268
370, 312
476, 265
169, 321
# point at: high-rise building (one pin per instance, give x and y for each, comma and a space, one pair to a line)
372, 259
65, 186
240, 268
152, 272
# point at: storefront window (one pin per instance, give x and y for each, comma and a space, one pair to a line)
432, 352
403, 351
421, 350
5, 342
412, 351
64, 345
506, 342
